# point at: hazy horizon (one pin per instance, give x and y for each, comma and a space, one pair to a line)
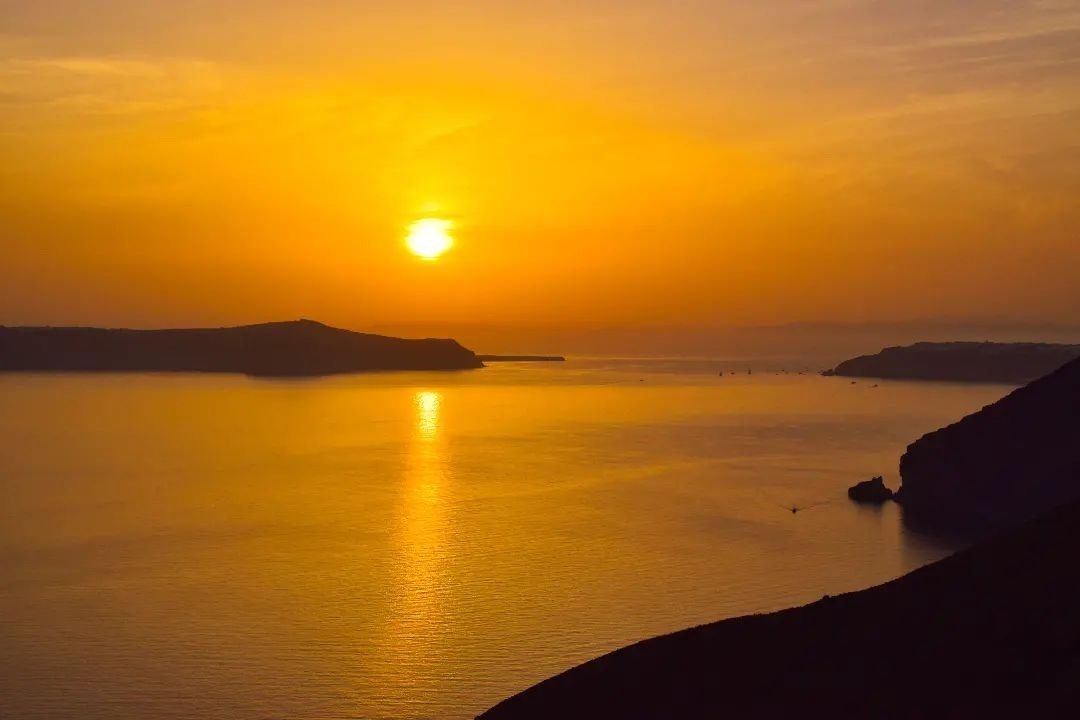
805, 342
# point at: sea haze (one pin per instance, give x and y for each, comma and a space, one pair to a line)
421, 545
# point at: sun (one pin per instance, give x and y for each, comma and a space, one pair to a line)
430, 238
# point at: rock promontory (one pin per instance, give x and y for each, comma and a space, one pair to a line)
873, 491
1007, 462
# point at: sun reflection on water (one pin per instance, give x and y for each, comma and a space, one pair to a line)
428, 405
417, 625
425, 459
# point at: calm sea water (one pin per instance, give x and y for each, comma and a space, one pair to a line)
419, 545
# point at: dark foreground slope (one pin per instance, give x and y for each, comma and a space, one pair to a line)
1008, 462
961, 361
990, 632
295, 348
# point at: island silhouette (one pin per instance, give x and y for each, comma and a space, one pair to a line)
1013, 363
283, 349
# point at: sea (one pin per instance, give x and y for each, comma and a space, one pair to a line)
422, 545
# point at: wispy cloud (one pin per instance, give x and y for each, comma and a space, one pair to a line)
102, 86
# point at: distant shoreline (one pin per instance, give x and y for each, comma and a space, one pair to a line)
521, 358
1009, 363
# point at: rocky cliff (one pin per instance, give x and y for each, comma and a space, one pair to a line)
1007, 462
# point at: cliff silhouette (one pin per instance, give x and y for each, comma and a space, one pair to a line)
961, 361
1007, 462
295, 348
992, 631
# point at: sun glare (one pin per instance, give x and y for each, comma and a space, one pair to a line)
430, 238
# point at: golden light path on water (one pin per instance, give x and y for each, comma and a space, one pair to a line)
417, 625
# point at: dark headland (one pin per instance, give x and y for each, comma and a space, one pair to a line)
296, 348
1008, 462
961, 361
993, 631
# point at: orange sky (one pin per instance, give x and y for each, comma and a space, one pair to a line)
607, 161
